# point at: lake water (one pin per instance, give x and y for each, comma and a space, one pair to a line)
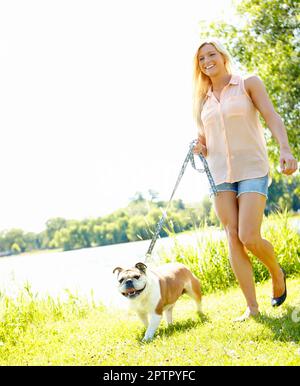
84, 271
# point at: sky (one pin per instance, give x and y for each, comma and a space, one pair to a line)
96, 104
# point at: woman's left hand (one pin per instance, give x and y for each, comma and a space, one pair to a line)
288, 163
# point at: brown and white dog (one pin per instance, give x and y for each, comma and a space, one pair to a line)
152, 292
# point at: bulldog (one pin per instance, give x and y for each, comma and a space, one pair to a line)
151, 292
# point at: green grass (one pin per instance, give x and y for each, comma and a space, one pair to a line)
49, 332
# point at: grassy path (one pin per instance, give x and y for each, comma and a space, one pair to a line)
78, 334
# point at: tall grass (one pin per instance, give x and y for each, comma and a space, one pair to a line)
27, 310
210, 260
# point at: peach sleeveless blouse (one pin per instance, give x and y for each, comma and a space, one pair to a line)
236, 146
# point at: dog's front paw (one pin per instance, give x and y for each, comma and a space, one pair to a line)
147, 337
153, 325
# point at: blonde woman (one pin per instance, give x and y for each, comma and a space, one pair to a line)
226, 108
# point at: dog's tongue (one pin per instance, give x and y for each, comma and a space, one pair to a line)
130, 290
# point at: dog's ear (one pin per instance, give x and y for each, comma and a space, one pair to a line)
141, 266
119, 269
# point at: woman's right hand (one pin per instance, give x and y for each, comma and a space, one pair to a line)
200, 148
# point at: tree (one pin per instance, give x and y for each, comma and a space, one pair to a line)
15, 236
15, 248
137, 229
62, 239
284, 193
53, 225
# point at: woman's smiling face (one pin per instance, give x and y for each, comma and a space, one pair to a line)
211, 61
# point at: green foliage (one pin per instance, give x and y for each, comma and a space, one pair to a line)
15, 248
285, 239
20, 314
53, 225
17, 241
284, 192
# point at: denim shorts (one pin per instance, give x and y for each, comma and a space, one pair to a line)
257, 185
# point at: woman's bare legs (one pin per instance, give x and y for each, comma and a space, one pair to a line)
251, 210
242, 220
227, 210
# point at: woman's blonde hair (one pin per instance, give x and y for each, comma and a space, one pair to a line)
202, 82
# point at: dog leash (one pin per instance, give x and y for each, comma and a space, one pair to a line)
189, 158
